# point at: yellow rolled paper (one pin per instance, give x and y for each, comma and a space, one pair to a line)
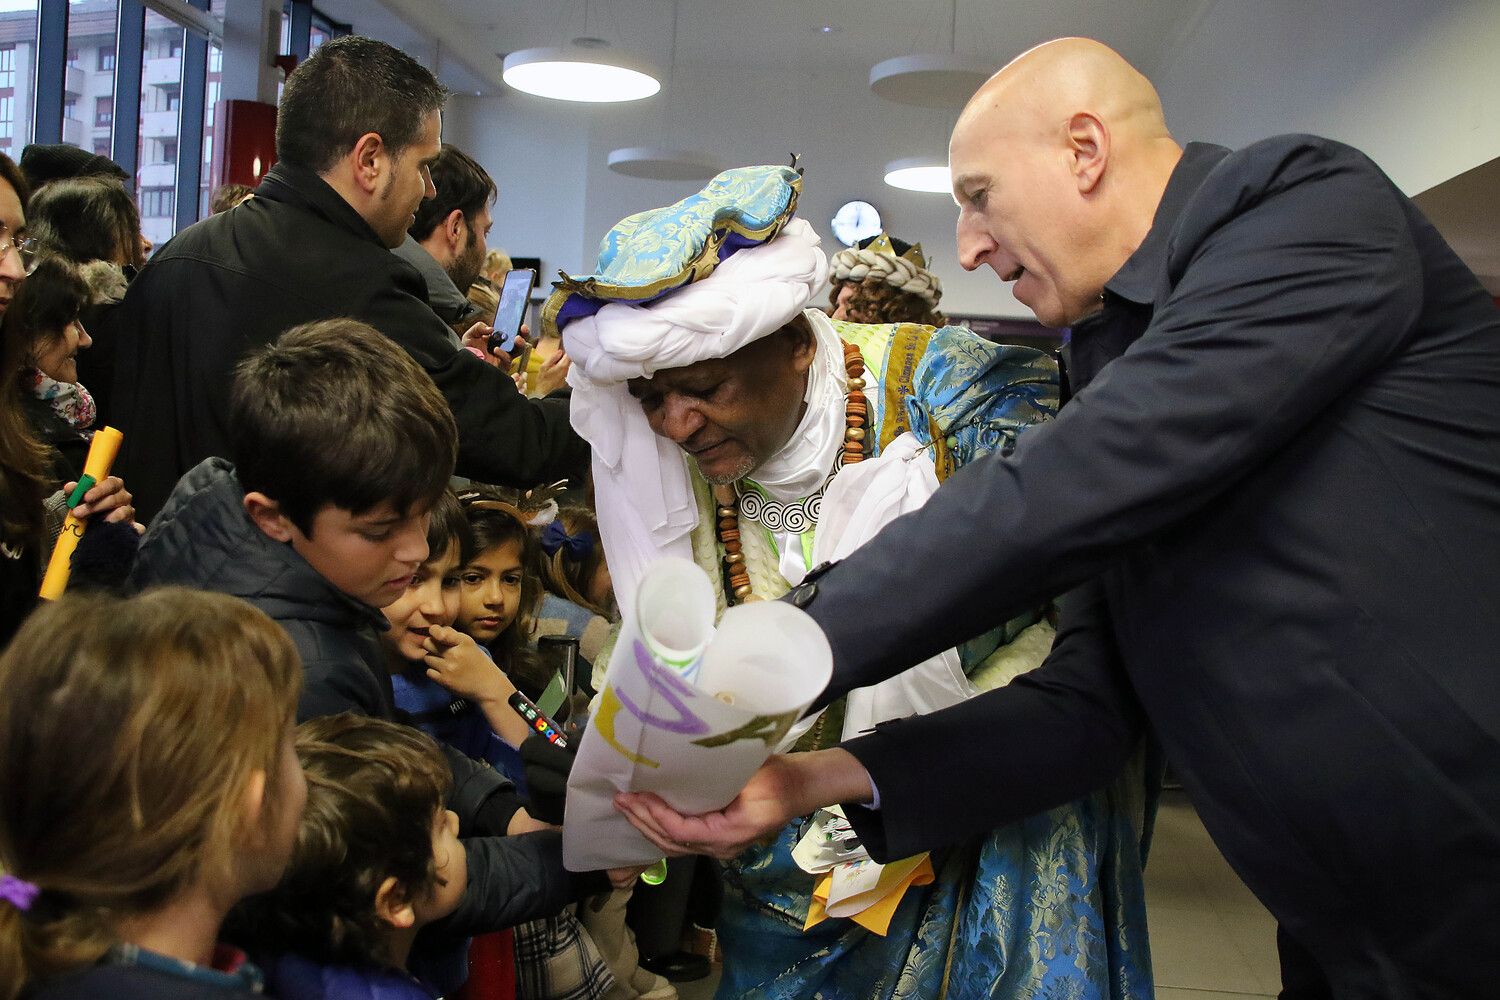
102, 452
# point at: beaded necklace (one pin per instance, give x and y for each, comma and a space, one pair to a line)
727, 497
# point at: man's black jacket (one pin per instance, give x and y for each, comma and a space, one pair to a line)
203, 539
295, 253
1279, 483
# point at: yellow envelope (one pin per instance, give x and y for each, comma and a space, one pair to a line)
877, 916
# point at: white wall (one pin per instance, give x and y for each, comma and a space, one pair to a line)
1413, 83
1416, 83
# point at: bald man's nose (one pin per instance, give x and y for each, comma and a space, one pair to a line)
974, 243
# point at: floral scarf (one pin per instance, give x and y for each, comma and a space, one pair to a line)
69, 400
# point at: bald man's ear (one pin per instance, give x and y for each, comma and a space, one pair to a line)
1088, 150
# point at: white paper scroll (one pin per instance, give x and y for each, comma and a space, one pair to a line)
687, 711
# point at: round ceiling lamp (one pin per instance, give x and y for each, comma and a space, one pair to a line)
659, 164
588, 71
929, 80
919, 173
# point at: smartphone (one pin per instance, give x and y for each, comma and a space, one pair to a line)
515, 296
559, 654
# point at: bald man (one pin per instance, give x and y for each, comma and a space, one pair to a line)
1275, 495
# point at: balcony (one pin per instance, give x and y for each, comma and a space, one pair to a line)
157, 175
162, 72
76, 133
74, 81
159, 124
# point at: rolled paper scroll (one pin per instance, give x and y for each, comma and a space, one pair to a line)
687, 711
102, 452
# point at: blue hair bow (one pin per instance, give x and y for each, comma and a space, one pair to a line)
555, 537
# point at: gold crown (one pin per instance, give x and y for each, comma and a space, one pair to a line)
882, 244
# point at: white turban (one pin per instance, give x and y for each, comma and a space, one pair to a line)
642, 488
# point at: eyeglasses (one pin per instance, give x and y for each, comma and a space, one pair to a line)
24, 246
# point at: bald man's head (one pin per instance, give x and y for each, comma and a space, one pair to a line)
1058, 164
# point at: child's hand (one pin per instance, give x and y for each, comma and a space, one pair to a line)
455, 661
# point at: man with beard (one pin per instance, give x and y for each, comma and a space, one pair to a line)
734, 426
446, 242
358, 127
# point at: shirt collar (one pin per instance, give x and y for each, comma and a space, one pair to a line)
1137, 279
230, 969
299, 185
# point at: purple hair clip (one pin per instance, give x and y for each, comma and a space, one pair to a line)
18, 892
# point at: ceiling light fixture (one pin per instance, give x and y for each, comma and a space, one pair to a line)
587, 70
919, 173
931, 79
662, 163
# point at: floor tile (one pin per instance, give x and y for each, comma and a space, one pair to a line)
1193, 949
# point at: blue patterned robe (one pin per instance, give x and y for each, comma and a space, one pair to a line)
1049, 908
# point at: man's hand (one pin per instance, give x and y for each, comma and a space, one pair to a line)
785, 787
456, 662
554, 373
109, 498
477, 339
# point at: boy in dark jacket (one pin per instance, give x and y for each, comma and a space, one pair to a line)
341, 446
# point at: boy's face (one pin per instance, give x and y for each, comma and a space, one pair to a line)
370, 556
490, 591
430, 599
452, 870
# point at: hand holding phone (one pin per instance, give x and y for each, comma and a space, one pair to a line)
515, 295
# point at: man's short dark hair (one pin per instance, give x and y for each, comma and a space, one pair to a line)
335, 412
461, 183
349, 87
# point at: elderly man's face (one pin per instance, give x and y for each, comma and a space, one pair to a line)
733, 413
1018, 212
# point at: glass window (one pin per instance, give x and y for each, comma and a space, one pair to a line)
210, 171
101, 147
89, 80
161, 95
17, 74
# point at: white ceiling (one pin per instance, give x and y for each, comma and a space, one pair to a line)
744, 35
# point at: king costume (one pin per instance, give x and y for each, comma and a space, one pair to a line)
1050, 907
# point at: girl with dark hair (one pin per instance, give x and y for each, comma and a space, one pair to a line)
44, 333
579, 599
93, 222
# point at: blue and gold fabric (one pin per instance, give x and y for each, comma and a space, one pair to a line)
1050, 908
649, 254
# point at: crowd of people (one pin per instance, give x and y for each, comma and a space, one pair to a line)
266, 744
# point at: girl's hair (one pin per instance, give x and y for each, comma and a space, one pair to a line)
130, 730
50, 298
373, 791
877, 301
87, 218
494, 520
24, 461
571, 554
448, 525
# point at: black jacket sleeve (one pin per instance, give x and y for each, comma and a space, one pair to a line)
484, 799
515, 879
1290, 284
1048, 737
503, 437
